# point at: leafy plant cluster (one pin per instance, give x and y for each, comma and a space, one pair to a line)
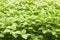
29, 20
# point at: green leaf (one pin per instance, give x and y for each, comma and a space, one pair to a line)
25, 36
23, 31
1, 35
14, 34
7, 30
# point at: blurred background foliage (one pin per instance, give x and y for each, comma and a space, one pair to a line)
29, 20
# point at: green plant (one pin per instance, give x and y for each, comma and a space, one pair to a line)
29, 20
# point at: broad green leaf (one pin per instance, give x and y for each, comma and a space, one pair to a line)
23, 31
25, 36
1, 35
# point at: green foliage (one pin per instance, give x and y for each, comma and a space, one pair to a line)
29, 20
